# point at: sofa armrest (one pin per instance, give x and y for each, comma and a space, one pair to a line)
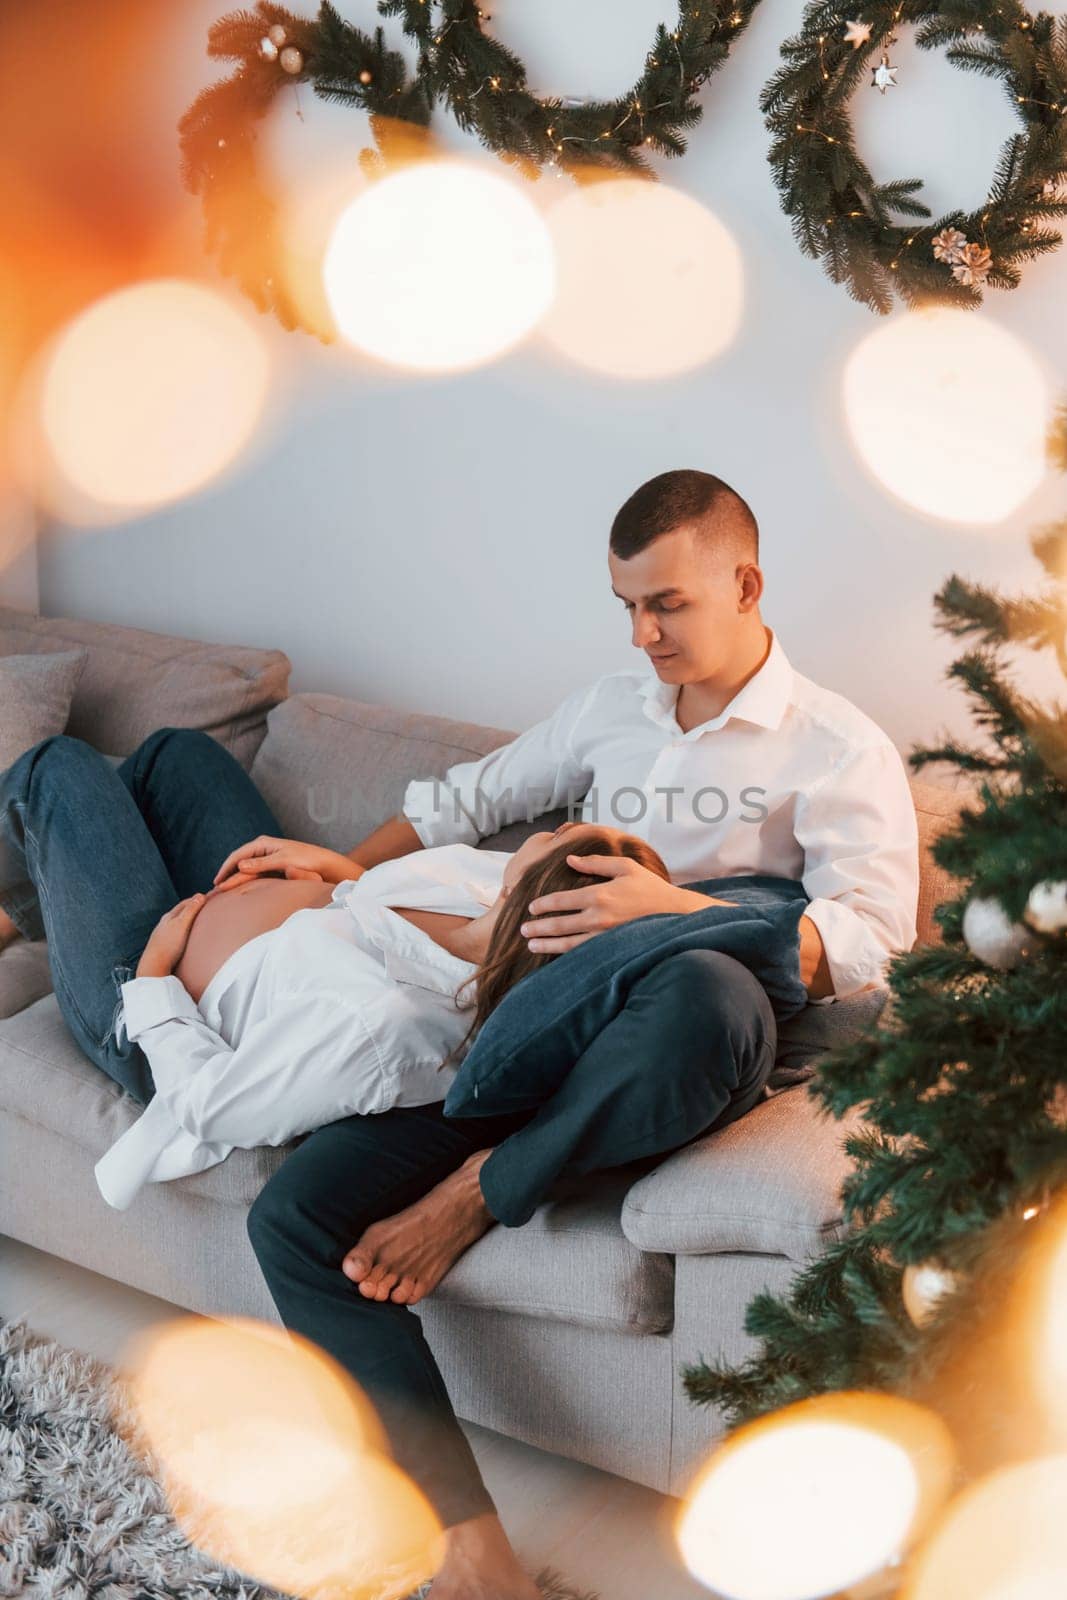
769, 1183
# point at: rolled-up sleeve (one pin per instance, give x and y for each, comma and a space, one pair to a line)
859, 834
536, 772
307, 1063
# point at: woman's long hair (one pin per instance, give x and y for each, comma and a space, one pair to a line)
509, 958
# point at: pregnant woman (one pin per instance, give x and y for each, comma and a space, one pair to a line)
242, 1009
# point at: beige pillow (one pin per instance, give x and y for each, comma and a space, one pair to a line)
35, 696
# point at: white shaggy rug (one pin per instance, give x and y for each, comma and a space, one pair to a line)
82, 1516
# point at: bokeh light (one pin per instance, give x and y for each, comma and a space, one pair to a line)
848, 1480
1003, 1539
440, 267
147, 396
650, 282
319, 182
274, 1462
1046, 1336
949, 411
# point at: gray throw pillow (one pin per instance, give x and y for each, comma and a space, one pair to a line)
35, 697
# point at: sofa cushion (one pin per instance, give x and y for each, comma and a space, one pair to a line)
135, 682
817, 1029
769, 1183
35, 692
570, 1262
332, 770
46, 1079
24, 975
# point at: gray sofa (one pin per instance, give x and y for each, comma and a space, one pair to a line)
569, 1333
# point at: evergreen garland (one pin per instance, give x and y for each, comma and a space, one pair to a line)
958, 1098
219, 132
478, 79
484, 86
843, 218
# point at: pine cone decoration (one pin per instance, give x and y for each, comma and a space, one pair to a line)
948, 244
974, 264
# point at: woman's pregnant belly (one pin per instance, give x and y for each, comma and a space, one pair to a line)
230, 918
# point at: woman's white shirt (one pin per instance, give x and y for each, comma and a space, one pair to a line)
343, 1008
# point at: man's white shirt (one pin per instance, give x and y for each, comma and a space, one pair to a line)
790, 779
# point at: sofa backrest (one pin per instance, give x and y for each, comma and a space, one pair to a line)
937, 809
134, 682
333, 769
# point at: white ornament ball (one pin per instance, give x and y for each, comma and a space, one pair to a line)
277, 34
268, 49
992, 937
291, 59
923, 1286
1046, 909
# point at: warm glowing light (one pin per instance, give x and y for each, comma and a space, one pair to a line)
650, 283
275, 1464
1003, 1539
323, 185
848, 1480
306, 222
440, 267
151, 393
1047, 1313
949, 411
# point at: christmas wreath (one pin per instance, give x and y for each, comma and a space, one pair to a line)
481, 82
841, 216
484, 86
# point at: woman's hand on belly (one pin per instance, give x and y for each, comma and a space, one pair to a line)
168, 940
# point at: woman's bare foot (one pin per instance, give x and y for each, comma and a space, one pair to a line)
8, 930
480, 1564
404, 1257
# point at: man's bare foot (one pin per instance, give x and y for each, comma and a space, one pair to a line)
8, 930
480, 1564
404, 1257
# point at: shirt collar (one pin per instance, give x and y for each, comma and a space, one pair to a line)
434, 968
762, 700
411, 956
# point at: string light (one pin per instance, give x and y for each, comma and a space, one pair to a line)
818, 132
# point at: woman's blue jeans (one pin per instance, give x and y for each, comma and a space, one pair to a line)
97, 854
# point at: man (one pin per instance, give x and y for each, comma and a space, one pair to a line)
726, 761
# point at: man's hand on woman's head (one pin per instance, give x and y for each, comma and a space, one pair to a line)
287, 858
629, 890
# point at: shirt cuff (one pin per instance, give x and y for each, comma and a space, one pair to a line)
148, 1001
437, 817
853, 955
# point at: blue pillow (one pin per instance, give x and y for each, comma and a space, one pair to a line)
532, 1039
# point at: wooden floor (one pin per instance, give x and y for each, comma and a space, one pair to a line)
599, 1531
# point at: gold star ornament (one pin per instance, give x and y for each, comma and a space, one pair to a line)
857, 34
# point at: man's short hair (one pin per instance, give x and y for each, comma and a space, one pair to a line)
673, 499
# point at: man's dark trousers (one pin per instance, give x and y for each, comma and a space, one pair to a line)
690, 1052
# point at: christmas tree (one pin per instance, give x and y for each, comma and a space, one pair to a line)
961, 1087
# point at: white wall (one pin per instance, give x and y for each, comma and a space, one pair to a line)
441, 543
